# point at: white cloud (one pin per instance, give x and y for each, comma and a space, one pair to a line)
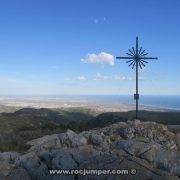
129, 78
100, 20
101, 77
81, 78
101, 58
118, 77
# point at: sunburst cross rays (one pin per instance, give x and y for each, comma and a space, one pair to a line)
140, 54
137, 57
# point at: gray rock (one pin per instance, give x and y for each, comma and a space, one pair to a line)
113, 129
127, 132
68, 139
77, 155
146, 146
45, 143
33, 166
63, 177
143, 169
97, 139
149, 152
132, 147
83, 153
177, 139
19, 174
102, 161
71, 139
9, 156
45, 157
169, 161
5, 169
63, 160
154, 132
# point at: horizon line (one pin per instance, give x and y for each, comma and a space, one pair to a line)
87, 94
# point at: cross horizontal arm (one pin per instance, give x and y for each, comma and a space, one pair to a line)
149, 58
124, 57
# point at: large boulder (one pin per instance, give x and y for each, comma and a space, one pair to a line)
83, 153
97, 139
33, 165
63, 160
132, 147
45, 143
150, 151
71, 139
62, 157
68, 139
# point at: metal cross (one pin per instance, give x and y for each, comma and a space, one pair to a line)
137, 58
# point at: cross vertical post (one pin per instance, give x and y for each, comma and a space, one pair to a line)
137, 58
136, 96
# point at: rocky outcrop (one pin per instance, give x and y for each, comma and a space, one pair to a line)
148, 147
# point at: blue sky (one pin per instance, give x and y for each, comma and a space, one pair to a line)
43, 42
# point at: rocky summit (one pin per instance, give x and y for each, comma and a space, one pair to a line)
148, 150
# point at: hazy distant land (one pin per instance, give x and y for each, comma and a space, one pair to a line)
11, 104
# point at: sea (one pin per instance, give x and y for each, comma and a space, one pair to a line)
170, 102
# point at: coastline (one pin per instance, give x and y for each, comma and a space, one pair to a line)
86, 102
